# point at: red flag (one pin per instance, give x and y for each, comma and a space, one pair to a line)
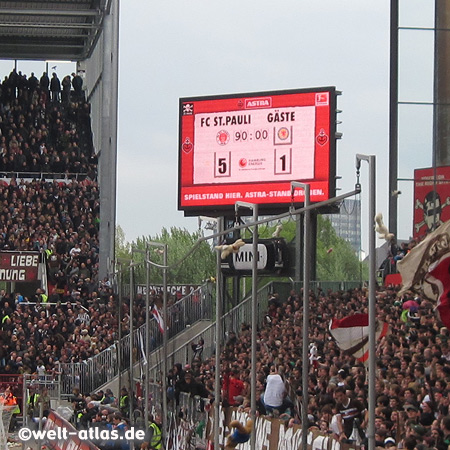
352, 334
439, 274
158, 318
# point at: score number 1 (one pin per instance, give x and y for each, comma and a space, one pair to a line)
282, 161
222, 164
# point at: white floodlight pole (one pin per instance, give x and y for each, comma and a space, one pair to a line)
254, 207
306, 283
165, 341
131, 394
372, 297
165, 337
147, 331
218, 339
119, 337
147, 336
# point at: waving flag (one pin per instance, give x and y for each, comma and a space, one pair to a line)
158, 317
439, 274
415, 266
141, 346
425, 270
352, 334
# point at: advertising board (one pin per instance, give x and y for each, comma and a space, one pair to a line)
172, 289
272, 258
55, 422
249, 147
431, 199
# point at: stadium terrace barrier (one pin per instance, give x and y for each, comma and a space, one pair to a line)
90, 375
155, 397
44, 176
232, 321
54, 304
240, 314
284, 289
98, 370
191, 425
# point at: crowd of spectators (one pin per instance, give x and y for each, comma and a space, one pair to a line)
49, 202
412, 379
37, 335
41, 134
395, 254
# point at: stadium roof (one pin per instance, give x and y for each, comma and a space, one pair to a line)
64, 30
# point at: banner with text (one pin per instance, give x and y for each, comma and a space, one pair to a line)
172, 289
19, 266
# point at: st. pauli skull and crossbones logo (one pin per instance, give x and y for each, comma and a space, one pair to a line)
432, 208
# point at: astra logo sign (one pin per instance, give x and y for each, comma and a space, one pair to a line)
262, 102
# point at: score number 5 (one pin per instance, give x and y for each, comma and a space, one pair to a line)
222, 164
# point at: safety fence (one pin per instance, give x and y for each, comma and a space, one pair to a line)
236, 317
231, 321
91, 374
45, 176
40, 385
190, 425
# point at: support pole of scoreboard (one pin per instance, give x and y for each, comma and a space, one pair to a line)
306, 279
253, 207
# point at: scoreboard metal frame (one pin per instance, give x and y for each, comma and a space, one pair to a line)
249, 147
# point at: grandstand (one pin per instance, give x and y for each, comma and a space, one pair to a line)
55, 247
85, 32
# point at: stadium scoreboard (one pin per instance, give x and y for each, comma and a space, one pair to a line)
249, 147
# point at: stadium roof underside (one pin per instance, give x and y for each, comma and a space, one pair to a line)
65, 30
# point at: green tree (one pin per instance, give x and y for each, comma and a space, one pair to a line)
335, 256
122, 246
198, 265
336, 259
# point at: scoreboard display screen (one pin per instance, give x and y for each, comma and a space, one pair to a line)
249, 147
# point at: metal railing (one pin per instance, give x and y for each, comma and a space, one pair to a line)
96, 371
232, 321
284, 288
47, 176
38, 383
